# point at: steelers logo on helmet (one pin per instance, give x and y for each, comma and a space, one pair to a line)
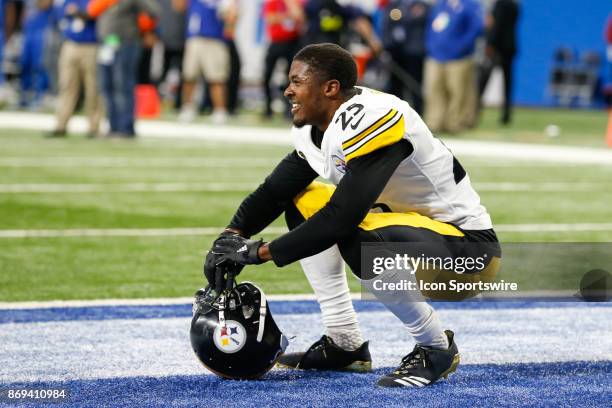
229, 338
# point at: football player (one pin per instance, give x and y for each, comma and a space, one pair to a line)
378, 155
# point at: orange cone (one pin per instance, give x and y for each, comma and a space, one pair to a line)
361, 59
147, 102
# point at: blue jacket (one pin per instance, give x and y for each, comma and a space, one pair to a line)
452, 29
203, 19
78, 29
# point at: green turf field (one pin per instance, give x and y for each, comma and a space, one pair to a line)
154, 183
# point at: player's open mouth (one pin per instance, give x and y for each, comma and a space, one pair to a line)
294, 107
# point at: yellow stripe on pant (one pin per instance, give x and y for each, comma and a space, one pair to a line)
317, 194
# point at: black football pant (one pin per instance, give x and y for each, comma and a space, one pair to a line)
505, 62
412, 65
424, 235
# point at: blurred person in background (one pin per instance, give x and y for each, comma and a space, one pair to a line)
450, 77
500, 49
53, 43
8, 24
144, 68
207, 54
329, 21
229, 32
122, 26
77, 67
34, 77
284, 20
404, 24
172, 23
607, 80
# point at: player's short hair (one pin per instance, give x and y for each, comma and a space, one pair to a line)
330, 61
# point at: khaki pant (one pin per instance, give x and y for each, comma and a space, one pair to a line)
450, 95
77, 65
207, 56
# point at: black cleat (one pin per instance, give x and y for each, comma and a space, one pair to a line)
424, 366
326, 355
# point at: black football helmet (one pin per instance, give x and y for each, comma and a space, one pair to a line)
233, 333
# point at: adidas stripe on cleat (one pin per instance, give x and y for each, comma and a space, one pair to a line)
412, 381
324, 354
424, 366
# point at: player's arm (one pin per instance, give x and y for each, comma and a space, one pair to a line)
364, 181
292, 175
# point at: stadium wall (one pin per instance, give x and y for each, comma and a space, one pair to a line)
543, 27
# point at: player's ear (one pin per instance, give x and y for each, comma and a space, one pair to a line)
331, 88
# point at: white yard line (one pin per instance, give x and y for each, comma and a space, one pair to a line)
157, 128
120, 232
530, 152
138, 302
47, 304
16, 188
167, 232
579, 227
207, 162
544, 186
165, 162
276, 136
124, 187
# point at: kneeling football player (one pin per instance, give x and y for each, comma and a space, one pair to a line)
378, 154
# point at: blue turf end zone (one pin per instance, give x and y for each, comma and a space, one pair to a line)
58, 314
569, 384
553, 354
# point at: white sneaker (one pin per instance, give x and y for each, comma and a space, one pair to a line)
188, 114
218, 117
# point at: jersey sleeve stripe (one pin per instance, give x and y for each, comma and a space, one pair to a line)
380, 130
372, 128
391, 135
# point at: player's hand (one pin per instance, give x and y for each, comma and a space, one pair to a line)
234, 248
217, 275
210, 268
212, 273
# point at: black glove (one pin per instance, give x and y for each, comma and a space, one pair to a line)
217, 275
215, 269
234, 248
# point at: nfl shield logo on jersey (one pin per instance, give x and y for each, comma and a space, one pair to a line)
339, 163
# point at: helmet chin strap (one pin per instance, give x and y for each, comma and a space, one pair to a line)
222, 309
262, 316
229, 286
263, 307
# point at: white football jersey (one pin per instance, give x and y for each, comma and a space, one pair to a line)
425, 182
